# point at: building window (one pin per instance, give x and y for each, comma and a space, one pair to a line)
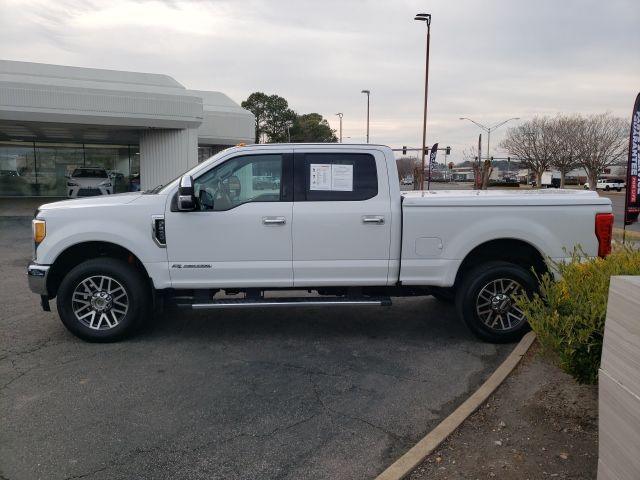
18, 175
40, 168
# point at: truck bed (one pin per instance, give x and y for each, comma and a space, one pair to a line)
440, 228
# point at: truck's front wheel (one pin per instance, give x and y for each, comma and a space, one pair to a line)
102, 300
485, 301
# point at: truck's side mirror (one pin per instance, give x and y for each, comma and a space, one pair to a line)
186, 199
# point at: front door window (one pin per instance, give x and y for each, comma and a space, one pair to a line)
245, 179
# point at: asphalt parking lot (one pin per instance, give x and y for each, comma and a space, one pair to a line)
291, 394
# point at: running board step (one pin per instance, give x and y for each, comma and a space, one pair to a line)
288, 302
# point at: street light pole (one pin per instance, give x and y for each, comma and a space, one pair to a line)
425, 17
340, 115
368, 93
489, 130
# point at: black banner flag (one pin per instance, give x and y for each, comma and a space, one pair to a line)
632, 199
432, 157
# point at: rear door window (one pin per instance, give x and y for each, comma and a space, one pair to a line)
336, 177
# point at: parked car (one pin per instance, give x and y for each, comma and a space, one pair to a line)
407, 180
89, 182
607, 184
339, 226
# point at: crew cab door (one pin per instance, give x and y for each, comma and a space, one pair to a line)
341, 218
240, 233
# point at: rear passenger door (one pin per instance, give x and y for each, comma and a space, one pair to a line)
341, 218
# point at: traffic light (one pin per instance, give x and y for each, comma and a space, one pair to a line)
448, 151
404, 150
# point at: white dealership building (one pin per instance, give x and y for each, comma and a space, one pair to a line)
141, 127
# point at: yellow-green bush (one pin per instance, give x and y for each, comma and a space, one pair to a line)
568, 315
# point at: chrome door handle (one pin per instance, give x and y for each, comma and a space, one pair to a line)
274, 220
377, 219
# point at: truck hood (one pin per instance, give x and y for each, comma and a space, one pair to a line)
554, 196
97, 201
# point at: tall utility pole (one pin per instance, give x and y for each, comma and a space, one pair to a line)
368, 93
340, 115
425, 17
489, 130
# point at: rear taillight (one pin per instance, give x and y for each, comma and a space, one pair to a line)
604, 233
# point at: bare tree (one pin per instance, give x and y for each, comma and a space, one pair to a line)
601, 141
534, 143
481, 169
470, 154
566, 128
406, 166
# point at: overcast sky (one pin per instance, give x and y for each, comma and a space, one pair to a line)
490, 60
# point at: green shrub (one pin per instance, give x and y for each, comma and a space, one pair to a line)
568, 315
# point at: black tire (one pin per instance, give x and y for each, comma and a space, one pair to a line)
99, 285
607, 188
619, 189
444, 295
480, 288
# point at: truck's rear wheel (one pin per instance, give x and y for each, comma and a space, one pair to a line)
102, 300
485, 301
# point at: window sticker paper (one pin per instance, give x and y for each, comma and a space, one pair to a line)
342, 178
320, 176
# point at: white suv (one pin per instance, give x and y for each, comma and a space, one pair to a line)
89, 181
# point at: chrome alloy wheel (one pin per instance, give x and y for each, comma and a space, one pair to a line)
495, 304
100, 302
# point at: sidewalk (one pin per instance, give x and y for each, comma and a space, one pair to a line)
539, 424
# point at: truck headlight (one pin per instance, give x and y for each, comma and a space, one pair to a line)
106, 184
72, 184
39, 230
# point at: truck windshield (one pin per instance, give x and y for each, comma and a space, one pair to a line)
160, 188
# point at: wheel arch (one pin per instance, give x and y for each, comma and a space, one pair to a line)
82, 251
512, 250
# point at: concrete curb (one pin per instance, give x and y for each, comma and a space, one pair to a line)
414, 457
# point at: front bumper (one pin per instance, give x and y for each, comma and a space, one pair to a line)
37, 275
77, 191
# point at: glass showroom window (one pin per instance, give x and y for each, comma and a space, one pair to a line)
54, 161
17, 169
114, 159
41, 168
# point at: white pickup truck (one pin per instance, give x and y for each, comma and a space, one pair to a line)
330, 219
607, 184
